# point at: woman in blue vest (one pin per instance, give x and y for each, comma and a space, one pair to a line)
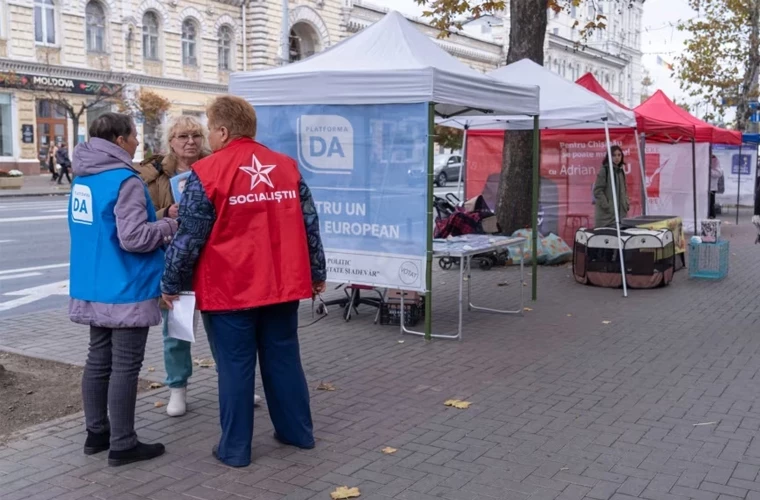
117, 259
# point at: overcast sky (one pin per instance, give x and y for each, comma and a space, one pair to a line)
659, 37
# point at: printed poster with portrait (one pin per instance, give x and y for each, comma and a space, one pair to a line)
178, 185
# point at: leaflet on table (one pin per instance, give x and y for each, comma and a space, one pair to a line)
365, 168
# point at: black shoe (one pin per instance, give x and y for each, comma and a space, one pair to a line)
286, 443
95, 443
137, 454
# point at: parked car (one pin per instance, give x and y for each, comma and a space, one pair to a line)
446, 169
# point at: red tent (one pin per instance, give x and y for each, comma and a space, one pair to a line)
661, 107
656, 127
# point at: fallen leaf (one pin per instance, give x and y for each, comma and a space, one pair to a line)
606, 322
151, 369
705, 423
159, 404
527, 309
204, 363
388, 450
503, 283
569, 315
565, 468
456, 403
155, 385
400, 341
343, 492
325, 386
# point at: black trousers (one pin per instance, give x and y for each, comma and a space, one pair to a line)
711, 213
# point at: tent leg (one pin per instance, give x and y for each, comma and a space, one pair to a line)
739, 185
429, 252
640, 145
534, 208
694, 180
463, 164
611, 175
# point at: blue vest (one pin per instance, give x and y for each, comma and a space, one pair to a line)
101, 271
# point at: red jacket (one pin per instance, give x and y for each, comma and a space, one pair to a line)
257, 253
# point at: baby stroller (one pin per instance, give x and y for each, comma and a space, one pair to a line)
453, 220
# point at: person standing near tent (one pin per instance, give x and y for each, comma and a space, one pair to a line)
604, 212
249, 238
717, 184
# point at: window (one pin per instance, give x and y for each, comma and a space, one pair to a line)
44, 21
225, 48
96, 27
555, 31
189, 34
150, 36
573, 11
6, 126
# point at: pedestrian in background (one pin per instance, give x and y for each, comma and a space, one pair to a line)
604, 202
250, 239
116, 263
51, 161
62, 157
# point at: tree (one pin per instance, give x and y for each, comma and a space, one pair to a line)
149, 107
527, 33
721, 63
448, 137
646, 84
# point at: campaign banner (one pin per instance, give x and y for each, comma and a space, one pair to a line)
739, 167
365, 166
570, 164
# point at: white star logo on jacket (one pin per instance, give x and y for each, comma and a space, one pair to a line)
259, 173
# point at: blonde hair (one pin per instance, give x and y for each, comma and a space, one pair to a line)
183, 123
234, 114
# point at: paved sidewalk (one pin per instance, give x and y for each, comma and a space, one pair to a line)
564, 406
37, 185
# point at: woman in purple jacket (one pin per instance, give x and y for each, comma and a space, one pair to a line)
116, 263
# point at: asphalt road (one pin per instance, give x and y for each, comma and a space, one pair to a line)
34, 253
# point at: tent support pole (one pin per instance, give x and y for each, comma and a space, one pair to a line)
429, 252
534, 208
641, 146
463, 164
694, 180
739, 185
611, 176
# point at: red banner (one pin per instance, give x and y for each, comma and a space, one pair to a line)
570, 162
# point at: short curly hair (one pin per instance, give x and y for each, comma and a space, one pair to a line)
233, 113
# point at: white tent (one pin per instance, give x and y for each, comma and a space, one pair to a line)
564, 104
390, 62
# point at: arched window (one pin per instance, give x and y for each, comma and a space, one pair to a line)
44, 21
189, 36
150, 36
96, 27
225, 48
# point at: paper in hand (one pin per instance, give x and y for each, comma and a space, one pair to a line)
180, 320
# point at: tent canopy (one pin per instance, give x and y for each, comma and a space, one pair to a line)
661, 107
647, 124
563, 104
390, 62
751, 138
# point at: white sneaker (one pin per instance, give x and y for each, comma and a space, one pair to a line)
177, 402
256, 400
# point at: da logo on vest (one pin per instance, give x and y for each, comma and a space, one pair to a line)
81, 204
326, 144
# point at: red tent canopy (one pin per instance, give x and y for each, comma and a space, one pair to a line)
657, 128
661, 107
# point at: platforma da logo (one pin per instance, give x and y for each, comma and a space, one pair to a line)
326, 144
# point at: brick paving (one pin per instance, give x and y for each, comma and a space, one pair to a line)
564, 406
37, 185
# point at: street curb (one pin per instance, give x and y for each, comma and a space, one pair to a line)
33, 195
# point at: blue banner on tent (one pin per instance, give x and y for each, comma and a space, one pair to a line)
366, 166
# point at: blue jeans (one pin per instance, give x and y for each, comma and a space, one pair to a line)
272, 333
178, 360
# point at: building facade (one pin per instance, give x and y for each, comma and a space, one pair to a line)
613, 55
182, 50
